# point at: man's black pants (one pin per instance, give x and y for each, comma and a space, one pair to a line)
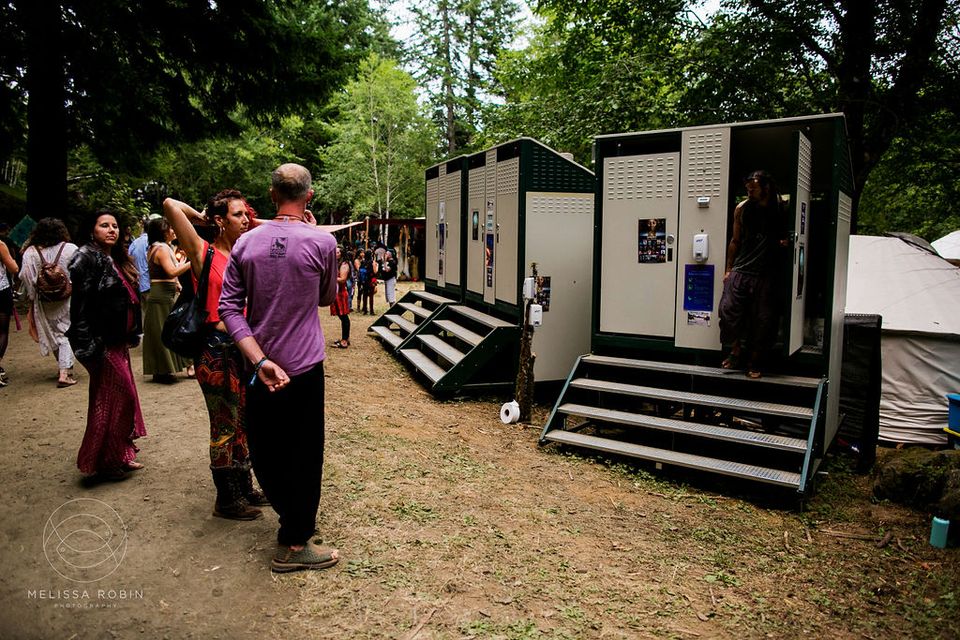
285, 433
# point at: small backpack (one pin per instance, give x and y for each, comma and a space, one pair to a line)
53, 283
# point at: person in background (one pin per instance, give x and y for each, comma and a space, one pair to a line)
341, 305
748, 310
277, 276
104, 323
219, 368
159, 361
8, 270
367, 281
138, 253
50, 318
388, 275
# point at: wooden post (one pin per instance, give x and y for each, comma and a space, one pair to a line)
525, 378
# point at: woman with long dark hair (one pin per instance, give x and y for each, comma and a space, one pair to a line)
104, 324
219, 367
50, 319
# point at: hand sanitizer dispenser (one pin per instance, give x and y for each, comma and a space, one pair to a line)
701, 247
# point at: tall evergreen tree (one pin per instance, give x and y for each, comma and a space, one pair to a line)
455, 50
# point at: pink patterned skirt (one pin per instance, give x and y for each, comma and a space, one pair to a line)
114, 420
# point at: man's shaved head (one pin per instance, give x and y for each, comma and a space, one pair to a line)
291, 182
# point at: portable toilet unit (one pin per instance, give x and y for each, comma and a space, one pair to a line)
652, 386
524, 203
445, 264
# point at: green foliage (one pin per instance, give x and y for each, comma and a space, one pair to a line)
381, 144
195, 171
92, 188
916, 187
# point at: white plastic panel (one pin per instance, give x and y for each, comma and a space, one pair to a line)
508, 231
452, 192
475, 205
637, 298
559, 238
704, 169
801, 222
431, 214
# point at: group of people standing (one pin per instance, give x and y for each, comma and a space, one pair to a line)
261, 367
359, 273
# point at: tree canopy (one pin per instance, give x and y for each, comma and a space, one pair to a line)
123, 76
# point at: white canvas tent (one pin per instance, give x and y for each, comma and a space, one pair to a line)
948, 246
918, 295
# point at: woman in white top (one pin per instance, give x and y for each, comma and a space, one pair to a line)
50, 318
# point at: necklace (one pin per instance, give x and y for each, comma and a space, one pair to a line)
288, 218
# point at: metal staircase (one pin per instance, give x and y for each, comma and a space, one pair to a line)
458, 347
408, 314
715, 420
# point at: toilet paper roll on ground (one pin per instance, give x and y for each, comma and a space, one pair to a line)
510, 412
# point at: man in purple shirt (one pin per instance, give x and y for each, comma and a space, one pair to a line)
281, 272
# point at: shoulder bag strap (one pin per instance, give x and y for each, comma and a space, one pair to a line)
59, 252
204, 277
43, 262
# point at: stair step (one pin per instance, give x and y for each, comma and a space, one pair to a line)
749, 406
716, 372
664, 456
400, 321
479, 316
387, 335
444, 350
463, 333
741, 436
432, 297
425, 365
416, 309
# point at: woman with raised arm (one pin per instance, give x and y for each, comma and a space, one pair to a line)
104, 324
219, 368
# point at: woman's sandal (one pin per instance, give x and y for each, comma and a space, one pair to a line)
311, 557
754, 374
133, 465
339, 344
69, 382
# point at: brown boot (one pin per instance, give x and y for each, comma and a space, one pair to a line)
254, 496
230, 501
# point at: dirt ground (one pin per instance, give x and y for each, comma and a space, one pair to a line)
450, 524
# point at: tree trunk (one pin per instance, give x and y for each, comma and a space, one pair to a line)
448, 76
46, 109
525, 378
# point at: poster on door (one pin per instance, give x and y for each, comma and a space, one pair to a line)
652, 241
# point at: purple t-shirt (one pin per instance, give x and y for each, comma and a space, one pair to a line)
281, 272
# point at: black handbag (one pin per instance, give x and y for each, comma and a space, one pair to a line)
185, 330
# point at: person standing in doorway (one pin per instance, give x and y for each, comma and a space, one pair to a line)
281, 272
748, 310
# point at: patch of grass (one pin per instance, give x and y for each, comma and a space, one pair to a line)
363, 568
519, 630
415, 511
722, 577
712, 535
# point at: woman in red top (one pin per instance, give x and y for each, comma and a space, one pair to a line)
219, 368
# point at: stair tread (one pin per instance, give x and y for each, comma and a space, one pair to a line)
447, 352
423, 364
432, 297
797, 381
401, 322
388, 336
751, 406
726, 467
728, 434
461, 332
415, 309
480, 316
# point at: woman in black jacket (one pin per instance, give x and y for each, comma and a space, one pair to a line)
104, 323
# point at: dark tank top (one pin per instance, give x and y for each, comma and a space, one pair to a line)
761, 229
